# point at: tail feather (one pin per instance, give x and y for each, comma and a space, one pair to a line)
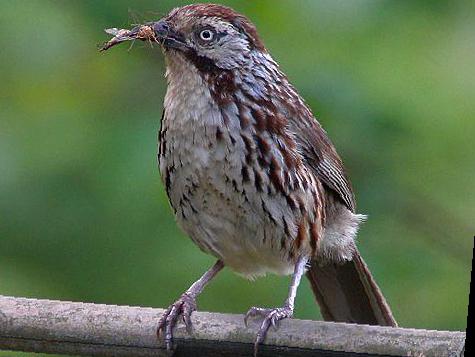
348, 293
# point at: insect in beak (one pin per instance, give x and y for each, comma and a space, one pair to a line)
153, 32
141, 32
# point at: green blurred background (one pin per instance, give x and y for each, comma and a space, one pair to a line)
83, 214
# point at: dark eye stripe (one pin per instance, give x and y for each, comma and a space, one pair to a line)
220, 35
216, 36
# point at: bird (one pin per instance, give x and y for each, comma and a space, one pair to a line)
251, 175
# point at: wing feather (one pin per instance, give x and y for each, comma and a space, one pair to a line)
320, 154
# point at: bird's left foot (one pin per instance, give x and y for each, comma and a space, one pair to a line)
271, 318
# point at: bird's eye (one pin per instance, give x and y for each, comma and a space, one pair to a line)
206, 35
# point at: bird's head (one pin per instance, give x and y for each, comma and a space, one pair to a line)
207, 35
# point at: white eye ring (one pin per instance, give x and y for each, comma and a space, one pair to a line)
206, 35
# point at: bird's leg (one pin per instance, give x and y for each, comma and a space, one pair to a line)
185, 305
273, 315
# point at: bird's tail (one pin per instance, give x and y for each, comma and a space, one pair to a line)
348, 293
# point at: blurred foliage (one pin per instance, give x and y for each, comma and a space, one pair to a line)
83, 215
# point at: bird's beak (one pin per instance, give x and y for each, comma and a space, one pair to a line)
167, 36
159, 32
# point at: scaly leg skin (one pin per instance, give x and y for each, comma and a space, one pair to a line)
185, 306
274, 315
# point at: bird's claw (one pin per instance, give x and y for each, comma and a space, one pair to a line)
272, 317
184, 306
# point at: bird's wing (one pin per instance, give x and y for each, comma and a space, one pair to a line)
320, 154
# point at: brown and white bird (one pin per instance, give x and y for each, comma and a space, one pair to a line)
251, 175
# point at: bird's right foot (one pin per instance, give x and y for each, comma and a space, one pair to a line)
272, 316
183, 307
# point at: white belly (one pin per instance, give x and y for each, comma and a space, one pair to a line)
206, 192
